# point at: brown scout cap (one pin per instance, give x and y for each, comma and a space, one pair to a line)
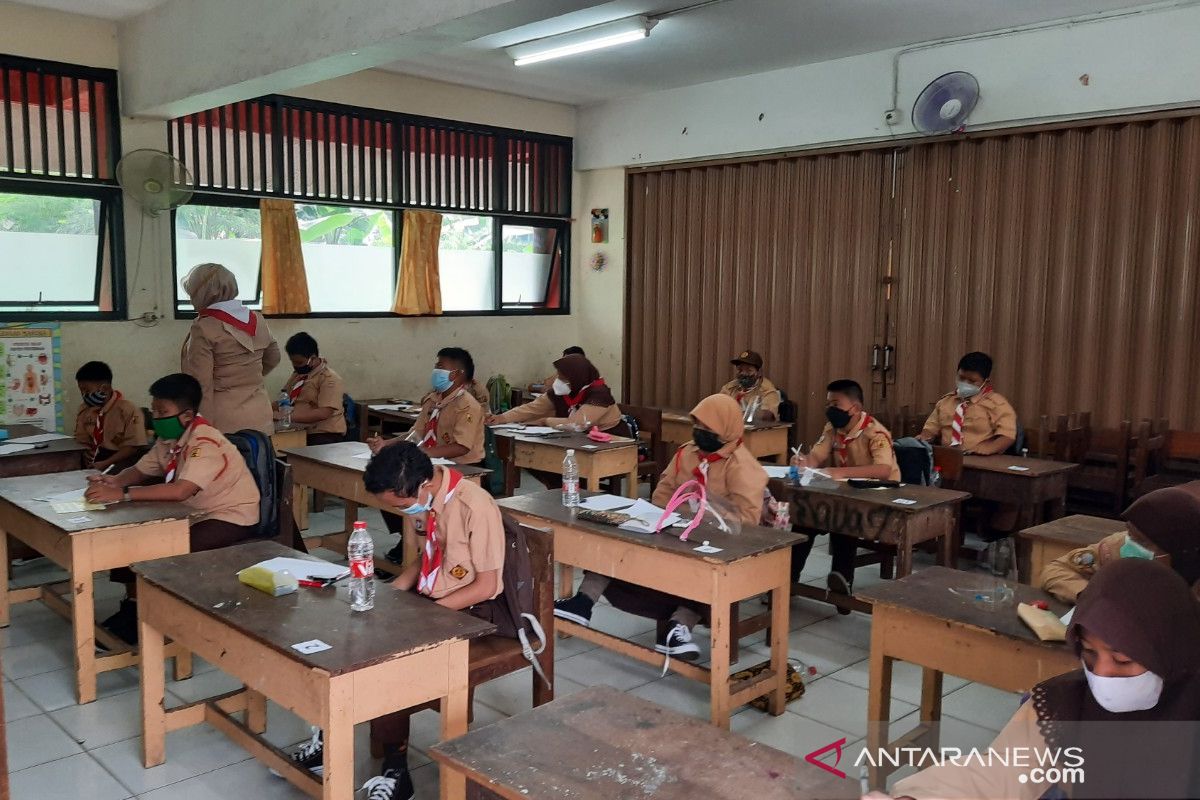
748, 357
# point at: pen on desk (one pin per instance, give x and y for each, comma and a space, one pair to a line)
108, 469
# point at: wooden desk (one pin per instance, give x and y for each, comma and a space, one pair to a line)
378, 420
597, 461
115, 537
59, 455
1038, 489
405, 652
337, 470
602, 743
920, 619
753, 562
762, 439
292, 436
874, 515
1041, 544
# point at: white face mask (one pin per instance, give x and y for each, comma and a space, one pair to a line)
1122, 695
561, 387
968, 390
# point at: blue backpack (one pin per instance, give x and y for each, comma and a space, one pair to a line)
259, 455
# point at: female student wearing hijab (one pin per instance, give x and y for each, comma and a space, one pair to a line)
1163, 524
1131, 709
229, 350
578, 397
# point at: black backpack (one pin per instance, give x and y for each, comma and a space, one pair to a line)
915, 460
350, 414
259, 455
513, 611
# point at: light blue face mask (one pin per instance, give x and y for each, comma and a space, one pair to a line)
441, 380
1131, 549
418, 508
967, 390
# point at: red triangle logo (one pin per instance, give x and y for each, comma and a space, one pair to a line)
836, 747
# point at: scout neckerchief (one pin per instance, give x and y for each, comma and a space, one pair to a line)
173, 455
740, 395
249, 326
98, 430
577, 398
841, 440
700, 471
294, 392
956, 427
431, 425
431, 556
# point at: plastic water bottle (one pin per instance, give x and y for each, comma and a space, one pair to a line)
285, 410
361, 552
936, 478
570, 480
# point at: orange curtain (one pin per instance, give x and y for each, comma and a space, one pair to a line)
418, 282
284, 282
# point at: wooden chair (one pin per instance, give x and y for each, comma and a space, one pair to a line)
1147, 456
649, 421
288, 533
496, 656
1177, 462
1100, 485
789, 411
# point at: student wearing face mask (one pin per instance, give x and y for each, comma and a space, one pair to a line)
109, 426
449, 426
974, 416
1131, 708
717, 458
577, 396
548, 382
749, 385
315, 391
1163, 525
853, 444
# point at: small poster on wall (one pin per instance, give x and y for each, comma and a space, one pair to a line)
31, 375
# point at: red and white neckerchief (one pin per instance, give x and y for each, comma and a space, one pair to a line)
700, 471
173, 455
431, 556
960, 410
249, 326
98, 430
294, 392
430, 438
740, 395
841, 440
577, 398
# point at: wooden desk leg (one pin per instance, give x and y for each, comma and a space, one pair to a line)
351, 516
300, 506
4, 609
183, 665
83, 622
904, 555
777, 701
782, 458
631, 483
931, 702
454, 717
879, 702
719, 663
338, 777
154, 688
256, 711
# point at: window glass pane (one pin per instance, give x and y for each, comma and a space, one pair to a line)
528, 257
48, 248
467, 263
219, 235
349, 257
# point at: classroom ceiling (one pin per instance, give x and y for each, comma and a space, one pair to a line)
106, 9
724, 39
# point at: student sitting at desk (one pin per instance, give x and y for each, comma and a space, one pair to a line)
462, 563
315, 391
547, 383
1136, 631
109, 426
1163, 524
858, 446
717, 458
449, 426
750, 385
191, 463
578, 397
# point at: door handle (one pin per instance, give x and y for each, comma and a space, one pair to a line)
887, 358
874, 358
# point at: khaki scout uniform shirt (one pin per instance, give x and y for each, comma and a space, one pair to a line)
480, 393
323, 388
765, 389
470, 532
540, 411
1068, 575
864, 447
985, 416
738, 479
460, 421
210, 461
124, 425
230, 365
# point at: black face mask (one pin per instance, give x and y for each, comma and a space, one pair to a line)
837, 418
707, 441
747, 381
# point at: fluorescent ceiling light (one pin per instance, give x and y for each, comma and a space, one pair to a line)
584, 40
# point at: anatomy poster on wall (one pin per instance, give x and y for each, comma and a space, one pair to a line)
31, 375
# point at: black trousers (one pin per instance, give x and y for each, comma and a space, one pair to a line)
843, 550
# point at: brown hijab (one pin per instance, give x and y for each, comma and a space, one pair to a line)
586, 385
722, 415
1171, 519
1145, 610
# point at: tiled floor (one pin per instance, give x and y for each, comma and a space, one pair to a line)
59, 749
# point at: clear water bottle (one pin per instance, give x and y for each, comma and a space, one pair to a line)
936, 478
285, 410
361, 552
751, 408
570, 480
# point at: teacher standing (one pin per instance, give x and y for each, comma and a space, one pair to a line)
229, 350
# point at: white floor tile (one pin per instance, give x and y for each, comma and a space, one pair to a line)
602, 667
805, 611
54, 690
790, 733
199, 687
513, 693
426, 783
682, 695
426, 729
190, 752
104, 721
38, 657
37, 740
33, 628
16, 704
853, 629
841, 705
981, 705
242, 780
618, 623
77, 776
951, 732
571, 646
827, 655
906, 680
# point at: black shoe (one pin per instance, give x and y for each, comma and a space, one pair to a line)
124, 623
394, 784
310, 755
577, 609
837, 584
396, 554
677, 642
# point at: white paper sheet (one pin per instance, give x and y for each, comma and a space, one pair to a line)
507, 426
72, 496
396, 407
1066, 618
38, 438
9, 449
645, 517
442, 462
605, 502
74, 507
537, 430
777, 472
301, 568
364, 456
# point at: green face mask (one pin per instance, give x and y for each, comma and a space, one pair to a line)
168, 428
1132, 549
